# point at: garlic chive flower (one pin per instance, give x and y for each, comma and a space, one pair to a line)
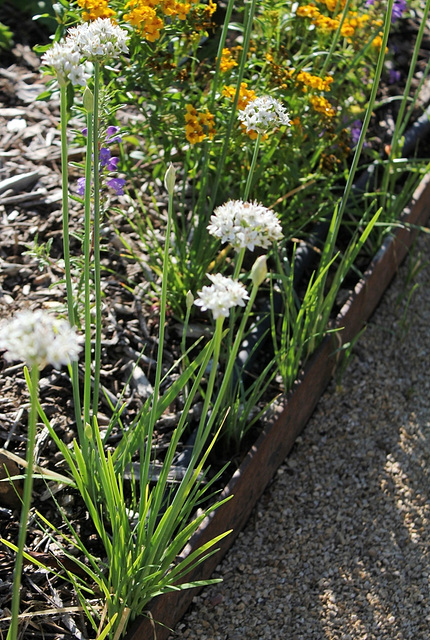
99, 39
38, 339
245, 225
94, 41
223, 294
65, 59
263, 114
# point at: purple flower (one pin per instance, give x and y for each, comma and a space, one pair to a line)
355, 131
84, 131
399, 7
394, 76
107, 160
104, 156
112, 165
81, 187
111, 136
117, 185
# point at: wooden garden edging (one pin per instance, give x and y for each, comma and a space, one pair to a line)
276, 441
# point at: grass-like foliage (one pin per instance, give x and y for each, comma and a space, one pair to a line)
248, 125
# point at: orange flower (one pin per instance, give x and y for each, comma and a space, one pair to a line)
245, 94
323, 106
314, 82
144, 18
227, 62
93, 9
198, 124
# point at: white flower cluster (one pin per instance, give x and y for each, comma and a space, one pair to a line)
263, 114
245, 225
92, 41
38, 339
99, 39
66, 60
221, 296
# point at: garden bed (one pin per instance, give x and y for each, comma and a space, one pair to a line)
31, 220
259, 466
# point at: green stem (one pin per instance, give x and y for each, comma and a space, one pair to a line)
238, 263
65, 203
26, 504
87, 271
185, 358
221, 46
252, 168
336, 38
96, 236
145, 459
201, 226
399, 126
369, 110
212, 376
66, 247
206, 153
249, 18
226, 378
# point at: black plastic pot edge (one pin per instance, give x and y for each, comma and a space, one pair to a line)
271, 448
307, 252
305, 257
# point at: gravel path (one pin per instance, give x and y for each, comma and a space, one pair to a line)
338, 546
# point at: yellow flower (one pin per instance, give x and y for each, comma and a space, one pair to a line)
198, 124
93, 9
144, 18
377, 42
332, 5
325, 23
314, 82
307, 11
321, 105
176, 9
227, 62
211, 7
245, 94
347, 30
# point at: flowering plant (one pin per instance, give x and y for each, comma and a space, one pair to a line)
245, 225
258, 138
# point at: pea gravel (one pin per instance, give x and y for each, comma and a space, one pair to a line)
338, 546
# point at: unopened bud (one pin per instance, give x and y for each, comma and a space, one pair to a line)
88, 100
259, 271
189, 299
169, 179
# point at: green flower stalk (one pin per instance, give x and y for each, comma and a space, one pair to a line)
262, 115
65, 59
223, 295
39, 340
169, 182
95, 42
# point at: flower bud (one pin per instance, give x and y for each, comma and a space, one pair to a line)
259, 271
189, 299
169, 179
88, 100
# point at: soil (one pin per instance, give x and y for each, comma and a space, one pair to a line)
30, 210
